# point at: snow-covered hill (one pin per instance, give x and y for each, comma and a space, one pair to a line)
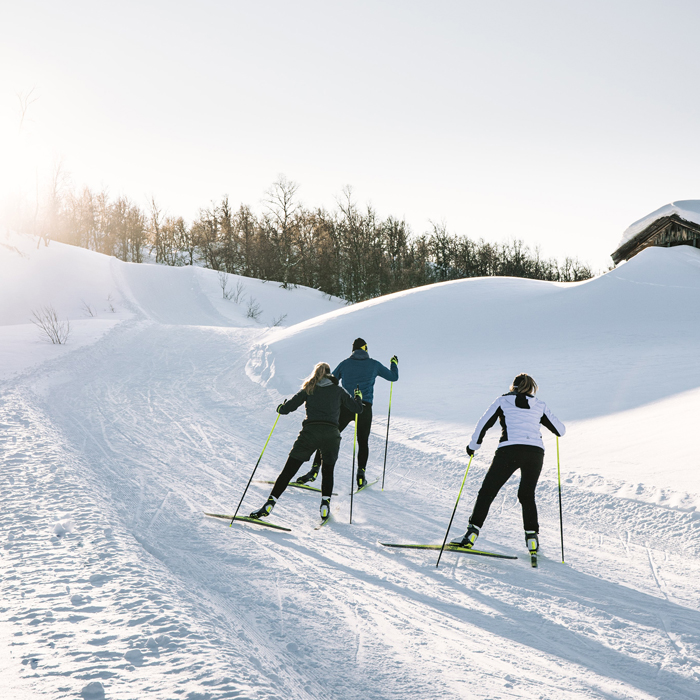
615, 356
115, 585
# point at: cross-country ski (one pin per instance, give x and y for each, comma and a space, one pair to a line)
451, 548
252, 521
298, 485
365, 485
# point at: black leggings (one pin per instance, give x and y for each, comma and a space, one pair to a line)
364, 427
289, 472
506, 462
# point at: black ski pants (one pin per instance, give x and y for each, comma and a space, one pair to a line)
364, 427
313, 436
290, 470
506, 462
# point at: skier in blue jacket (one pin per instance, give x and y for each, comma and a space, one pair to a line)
358, 370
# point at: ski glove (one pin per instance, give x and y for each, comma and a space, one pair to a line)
395, 360
358, 393
470, 452
280, 406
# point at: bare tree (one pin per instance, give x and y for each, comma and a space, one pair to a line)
46, 319
51, 220
25, 102
156, 233
282, 210
186, 239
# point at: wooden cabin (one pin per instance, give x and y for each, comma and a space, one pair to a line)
669, 230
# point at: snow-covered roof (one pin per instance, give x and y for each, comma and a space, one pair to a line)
688, 209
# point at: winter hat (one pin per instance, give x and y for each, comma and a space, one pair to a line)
358, 344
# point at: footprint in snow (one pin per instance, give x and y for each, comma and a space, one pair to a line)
134, 657
98, 580
63, 527
93, 691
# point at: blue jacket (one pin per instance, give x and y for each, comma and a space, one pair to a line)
360, 369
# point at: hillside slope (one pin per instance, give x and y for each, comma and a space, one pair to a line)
115, 585
623, 344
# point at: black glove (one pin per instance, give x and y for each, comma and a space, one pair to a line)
280, 406
358, 393
395, 360
470, 452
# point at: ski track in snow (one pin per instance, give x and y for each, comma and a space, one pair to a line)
111, 573
115, 585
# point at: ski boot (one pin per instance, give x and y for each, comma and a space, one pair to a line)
468, 539
533, 545
309, 476
361, 478
265, 510
325, 508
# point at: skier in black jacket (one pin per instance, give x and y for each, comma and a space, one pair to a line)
319, 431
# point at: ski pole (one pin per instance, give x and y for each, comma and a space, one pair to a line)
561, 516
459, 495
352, 483
256, 466
388, 420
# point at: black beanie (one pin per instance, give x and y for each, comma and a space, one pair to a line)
358, 344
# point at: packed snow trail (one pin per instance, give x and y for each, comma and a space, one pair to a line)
111, 573
165, 426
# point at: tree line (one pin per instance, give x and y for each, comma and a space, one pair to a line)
349, 252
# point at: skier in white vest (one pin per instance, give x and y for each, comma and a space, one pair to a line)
520, 415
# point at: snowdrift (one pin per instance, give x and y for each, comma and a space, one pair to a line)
95, 292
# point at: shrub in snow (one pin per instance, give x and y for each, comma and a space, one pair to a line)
236, 294
223, 283
46, 319
254, 309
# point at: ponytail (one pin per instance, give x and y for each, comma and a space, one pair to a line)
524, 384
321, 370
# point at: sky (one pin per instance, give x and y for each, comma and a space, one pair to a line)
556, 122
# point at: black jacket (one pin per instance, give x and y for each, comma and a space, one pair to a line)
323, 406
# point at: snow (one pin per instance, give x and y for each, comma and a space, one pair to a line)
113, 583
688, 209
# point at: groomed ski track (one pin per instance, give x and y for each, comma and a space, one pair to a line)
112, 574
